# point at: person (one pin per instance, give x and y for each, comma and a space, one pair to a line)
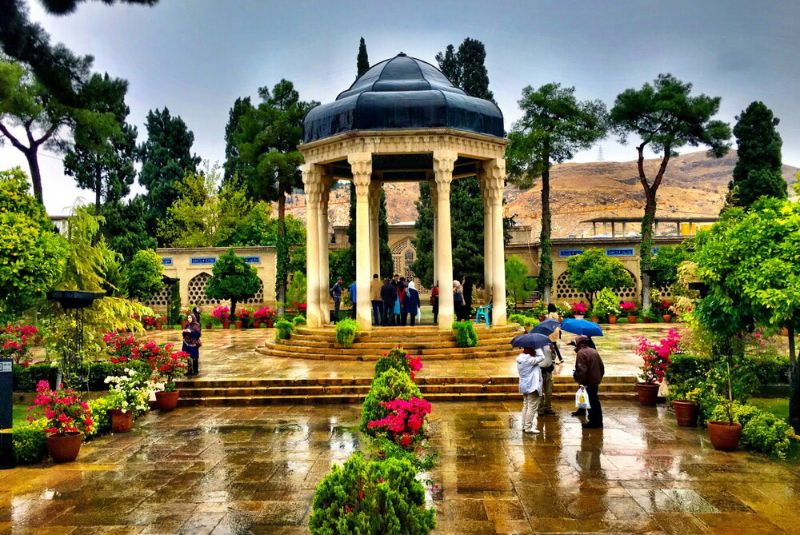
353, 299
389, 296
435, 303
336, 294
458, 300
467, 286
375, 296
589, 372
399, 308
530, 386
196, 314
552, 313
411, 303
547, 367
191, 344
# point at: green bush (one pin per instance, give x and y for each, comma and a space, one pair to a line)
102, 418
742, 413
371, 497
742, 374
395, 359
346, 332
765, 433
30, 442
297, 321
389, 385
26, 379
685, 374
526, 321
283, 329
605, 303
382, 447
93, 375
466, 335
771, 369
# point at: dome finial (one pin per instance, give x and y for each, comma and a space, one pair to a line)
402, 54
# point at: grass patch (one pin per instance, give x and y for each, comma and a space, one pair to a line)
18, 414
777, 406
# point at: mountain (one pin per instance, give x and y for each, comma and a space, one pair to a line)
695, 185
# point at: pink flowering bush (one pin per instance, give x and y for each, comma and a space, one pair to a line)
629, 307
656, 357
578, 308
265, 315
405, 422
168, 365
14, 342
414, 365
221, 312
63, 409
121, 347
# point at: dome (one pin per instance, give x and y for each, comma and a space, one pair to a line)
402, 93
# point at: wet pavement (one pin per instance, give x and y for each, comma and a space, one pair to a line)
253, 470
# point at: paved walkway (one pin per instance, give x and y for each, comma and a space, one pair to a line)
230, 355
253, 470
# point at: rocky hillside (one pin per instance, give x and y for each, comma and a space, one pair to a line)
694, 186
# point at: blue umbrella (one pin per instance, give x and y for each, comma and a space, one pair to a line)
547, 327
584, 327
534, 340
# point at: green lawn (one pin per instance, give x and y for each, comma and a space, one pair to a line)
777, 406
19, 412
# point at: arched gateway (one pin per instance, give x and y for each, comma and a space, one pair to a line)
402, 120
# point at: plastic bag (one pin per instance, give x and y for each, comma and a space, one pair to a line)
582, 399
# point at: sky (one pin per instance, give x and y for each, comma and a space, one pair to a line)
197, 56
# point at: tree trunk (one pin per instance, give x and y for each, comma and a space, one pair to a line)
98, 188
545, 245
36, 176
282, 251
646, 249
794, 379
232, 317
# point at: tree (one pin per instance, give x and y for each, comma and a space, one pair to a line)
553, 127
232, 278
758, 169
591, 271
125, 227
102, 159
665, 264
664, 117
33, 254
166, 158
296, 293
449, 65
144, 275
749, 262
233, 163
267, 138
362, 60
466, 69
516, 278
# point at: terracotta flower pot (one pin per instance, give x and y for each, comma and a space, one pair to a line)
226, 324
121, 422
209, 326
595, 319
667, 318
633, 319
724, 436
612, 319
238, 324
648, 393
64, 448
686, 413
167, 401
784, 331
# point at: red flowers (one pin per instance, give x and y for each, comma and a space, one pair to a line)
265, 314
629, 307
656, 357
14, 342
121, 347
405, 422
221, 312
579, 308
63, 409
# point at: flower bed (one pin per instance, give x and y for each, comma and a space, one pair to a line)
15, 341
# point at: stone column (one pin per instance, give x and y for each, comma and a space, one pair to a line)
375, 189
312, 182
361, 165
488, 264
443, 162
435, 205
324, 240
495, 177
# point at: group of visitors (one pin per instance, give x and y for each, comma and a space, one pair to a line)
395, 302
462, 299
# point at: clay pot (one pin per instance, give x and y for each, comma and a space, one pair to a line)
612, 319
633, 319
686, 413
579, 316
724, 436
209, 326
595, 319
64, 448
784, 331
667, 318
648, 393
647, 320
238, 324
121, 422
226, 324
167, 401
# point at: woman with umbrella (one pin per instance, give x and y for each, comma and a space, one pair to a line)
530, 377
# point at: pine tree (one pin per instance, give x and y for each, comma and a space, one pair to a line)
362, 61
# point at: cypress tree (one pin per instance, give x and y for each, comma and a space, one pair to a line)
362, 61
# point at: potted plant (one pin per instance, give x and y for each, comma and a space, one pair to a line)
245, 318
683, 398
539, 310
167, 366
127, 397
606, 305
265, 316
630, 308
655, 361
68, 417
578, 309
649, 315
725, 435
222, 314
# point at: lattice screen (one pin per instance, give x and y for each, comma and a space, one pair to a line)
197, 292
161, 299
565, 291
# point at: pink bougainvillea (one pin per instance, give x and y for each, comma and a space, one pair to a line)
14, 342
415, 365
656, 357
64, 410
405, 422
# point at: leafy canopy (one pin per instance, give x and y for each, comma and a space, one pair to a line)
232, 278
591, 271
144, 275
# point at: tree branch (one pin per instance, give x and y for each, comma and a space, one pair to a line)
662, 168
50, 131
14, 140
640, 165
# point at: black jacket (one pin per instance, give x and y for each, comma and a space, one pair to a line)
389, 293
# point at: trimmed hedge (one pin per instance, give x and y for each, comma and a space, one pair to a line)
465, 333
527, 322
389, 385
346, 332
26, 379
30, 442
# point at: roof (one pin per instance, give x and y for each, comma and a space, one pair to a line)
402, 93
659, 219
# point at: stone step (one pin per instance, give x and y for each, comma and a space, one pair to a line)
416, 330
280, 346
408, 345
342, 354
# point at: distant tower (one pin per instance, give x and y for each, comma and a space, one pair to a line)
600, 154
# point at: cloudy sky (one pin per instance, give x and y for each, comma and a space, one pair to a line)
197, 56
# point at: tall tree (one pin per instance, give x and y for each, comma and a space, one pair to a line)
233, 163
267, 137
449, 65
665, 117
758, 170
125, 226
102, 160
553, 127
362, 61
166, 158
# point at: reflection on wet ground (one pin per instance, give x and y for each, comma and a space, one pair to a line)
253, 470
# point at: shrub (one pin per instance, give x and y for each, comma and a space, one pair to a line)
388, 386
771, 369
298, 321
742, 413
100, 411
14, 342
466, 335
766, 433
63, 410
526, 321
283, 329
371, 497
656, 357
606, 303
399, 360
26, 379
687, 367
30, 442
405, 422
144, 274
346, 332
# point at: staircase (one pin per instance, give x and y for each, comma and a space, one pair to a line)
428, 341
242, 392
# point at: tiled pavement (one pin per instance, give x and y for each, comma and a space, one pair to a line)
253, 470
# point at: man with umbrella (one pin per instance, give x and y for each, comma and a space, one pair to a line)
586, 329
530, 377
589, 372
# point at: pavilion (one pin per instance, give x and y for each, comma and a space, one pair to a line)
402, 120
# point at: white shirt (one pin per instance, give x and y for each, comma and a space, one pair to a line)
530, 376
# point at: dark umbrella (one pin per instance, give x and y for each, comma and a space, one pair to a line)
547, 327
584, 327
534, 340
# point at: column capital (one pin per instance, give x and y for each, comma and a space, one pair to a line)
312, 183
361, 167
443, 164
493, 176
